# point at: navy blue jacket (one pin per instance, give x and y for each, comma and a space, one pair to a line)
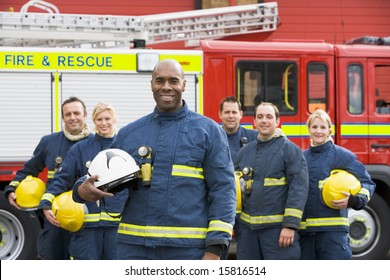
191, 201
234, 140
321, 161
280, 183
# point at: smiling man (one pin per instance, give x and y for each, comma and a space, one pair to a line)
276, 177
168, 85
53, 242
231, 114
187, 209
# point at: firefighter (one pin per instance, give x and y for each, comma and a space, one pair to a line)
185, 208
96, 240
230, 113
51, 151
324, 229
275, 191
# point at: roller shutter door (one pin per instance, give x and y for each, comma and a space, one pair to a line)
25, 113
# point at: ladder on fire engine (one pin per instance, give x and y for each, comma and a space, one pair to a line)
53, 29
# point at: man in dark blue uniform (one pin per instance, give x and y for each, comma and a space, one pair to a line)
187, 208
53, 242
275, 193
230, 113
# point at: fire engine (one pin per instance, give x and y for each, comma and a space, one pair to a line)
350, 81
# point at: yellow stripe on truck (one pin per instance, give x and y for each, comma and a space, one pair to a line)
364, 130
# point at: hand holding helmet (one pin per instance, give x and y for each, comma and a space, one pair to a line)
51, 217
89, 192
12, 200
341, 203
338, 187
110, 171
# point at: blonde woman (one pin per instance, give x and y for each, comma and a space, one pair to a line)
324, 230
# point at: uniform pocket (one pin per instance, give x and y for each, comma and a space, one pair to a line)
42, 243
341, 245
78, 245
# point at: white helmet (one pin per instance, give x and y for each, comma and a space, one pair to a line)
114, 167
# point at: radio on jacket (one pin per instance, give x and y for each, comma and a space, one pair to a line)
145, 153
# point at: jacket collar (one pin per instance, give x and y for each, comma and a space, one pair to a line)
322, 147
182, 112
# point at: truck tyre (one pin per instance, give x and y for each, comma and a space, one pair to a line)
369, 230
18, 233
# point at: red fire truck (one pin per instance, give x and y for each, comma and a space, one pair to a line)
350, 81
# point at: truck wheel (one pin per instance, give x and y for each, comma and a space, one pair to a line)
18, 233
369, 230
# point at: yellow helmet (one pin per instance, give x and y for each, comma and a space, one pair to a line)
69, 213
29, 193
237, 177
339, 181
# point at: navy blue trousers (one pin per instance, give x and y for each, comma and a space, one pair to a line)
263, 244
94, 244
53, 242
332, 245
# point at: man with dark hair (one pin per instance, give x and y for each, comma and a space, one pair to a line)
275, 191
53, 242
230, 113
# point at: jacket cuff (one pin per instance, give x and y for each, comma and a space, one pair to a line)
353, 202
75, 194
217, 249
44, 205
8, 189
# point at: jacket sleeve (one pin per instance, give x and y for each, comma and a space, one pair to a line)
298, 185
75, 193
219, 177
348, 161
34, 166
64, 178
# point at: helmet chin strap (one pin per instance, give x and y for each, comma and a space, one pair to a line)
129, 182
